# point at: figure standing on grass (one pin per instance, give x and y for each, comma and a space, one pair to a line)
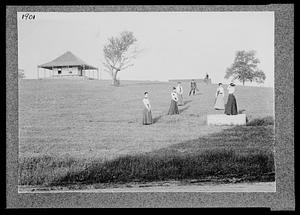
206, 78
231, 106
147, 115
179, 91
193, 87
173, 106
219, 98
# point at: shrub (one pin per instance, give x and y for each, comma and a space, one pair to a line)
261, 121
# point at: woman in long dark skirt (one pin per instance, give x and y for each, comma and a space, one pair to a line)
147, 115
173, 106
231, 106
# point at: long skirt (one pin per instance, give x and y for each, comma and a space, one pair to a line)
180, 100
193, 90
147, 117
173, 108
231, 106
219, 105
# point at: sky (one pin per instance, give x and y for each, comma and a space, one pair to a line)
176, 45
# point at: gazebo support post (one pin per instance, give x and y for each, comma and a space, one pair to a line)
37, 71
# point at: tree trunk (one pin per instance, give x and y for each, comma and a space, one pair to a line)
114, 77
243, 82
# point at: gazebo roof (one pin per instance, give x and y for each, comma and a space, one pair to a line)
67, 59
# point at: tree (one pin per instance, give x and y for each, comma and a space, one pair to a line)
21, 74
119, 53
244, 68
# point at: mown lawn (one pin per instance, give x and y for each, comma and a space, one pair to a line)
243, 152
75, 131
93, 119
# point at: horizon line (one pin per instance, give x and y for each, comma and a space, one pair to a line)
142, 80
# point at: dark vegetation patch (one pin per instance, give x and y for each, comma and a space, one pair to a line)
261, 121
145, 168
241, 152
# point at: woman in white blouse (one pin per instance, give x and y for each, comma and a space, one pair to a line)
173, 106
219, 98
231, 106
147, 115
179, 91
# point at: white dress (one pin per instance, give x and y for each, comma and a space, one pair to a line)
179, 91
219, 104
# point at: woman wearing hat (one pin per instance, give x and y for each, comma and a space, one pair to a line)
219, 102
173, 106
147, 115
231, 106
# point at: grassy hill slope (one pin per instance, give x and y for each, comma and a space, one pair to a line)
87, 131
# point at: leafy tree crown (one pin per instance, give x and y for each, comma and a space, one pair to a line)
245, 68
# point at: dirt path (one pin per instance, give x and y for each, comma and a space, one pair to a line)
167, 187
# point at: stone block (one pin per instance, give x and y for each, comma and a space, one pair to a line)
223, 119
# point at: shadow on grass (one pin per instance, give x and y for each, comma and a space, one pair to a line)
241, 111
188, 101
196, 94
241, 139
155, 119
244, 152
183, 109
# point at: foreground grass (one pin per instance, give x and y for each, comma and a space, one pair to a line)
210, 164
249, 158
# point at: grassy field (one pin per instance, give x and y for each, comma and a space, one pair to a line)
75, 130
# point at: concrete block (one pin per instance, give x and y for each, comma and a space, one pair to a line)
223, 119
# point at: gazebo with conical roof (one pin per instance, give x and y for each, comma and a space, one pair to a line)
67, 66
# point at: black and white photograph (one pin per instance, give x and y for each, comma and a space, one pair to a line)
146, 102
